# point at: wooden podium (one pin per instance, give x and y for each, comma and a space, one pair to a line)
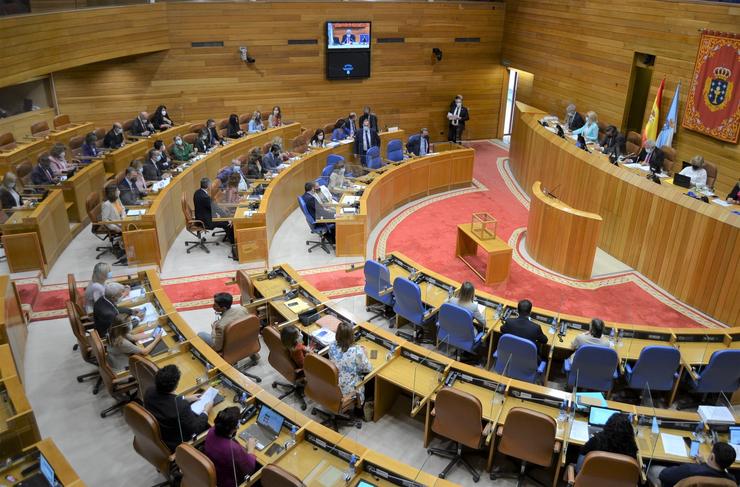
561, 238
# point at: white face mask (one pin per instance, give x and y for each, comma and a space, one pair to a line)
320, 137
178, 141
164, 112
458, 102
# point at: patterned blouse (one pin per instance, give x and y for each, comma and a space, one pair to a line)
352, 364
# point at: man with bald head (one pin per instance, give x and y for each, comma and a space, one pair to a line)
114, 137
142, 127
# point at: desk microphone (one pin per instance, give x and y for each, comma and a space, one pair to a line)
550, 193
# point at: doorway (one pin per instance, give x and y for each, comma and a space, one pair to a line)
510, 99
639, 88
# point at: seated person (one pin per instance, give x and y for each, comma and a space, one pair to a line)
42, 175
614, 142
272, 159
465, 298
182, 150
292, 339
254, 166
695, 170
590, 129
255, 124
351, 361
9, 197
96, 287
276, 117
616, 437
141, 183
315, 206
142, 127
114, 138
573, 119
149, 168
177, 422
233, 130
237, 168
338, 132
161, 120
130, 193
213, 137
202, 144
230, 459
337, 180
418, 144
350, 125
231, 194
105, 309
90, 148
652, 156
523, 327
204, 210
317, 139
721, 458
121, 344
58, 158
164, 162
594, 336
226, 314
112, 210
734, 195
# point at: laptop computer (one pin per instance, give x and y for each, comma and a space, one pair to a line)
266, 429
597, 418
681, 180
735, 435
45, 478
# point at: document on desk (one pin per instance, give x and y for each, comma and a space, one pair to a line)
136, 293
135, 212
198, 406
349, 210
150, 313
324, 336
635, 165
673, 445
721, 202
579, 431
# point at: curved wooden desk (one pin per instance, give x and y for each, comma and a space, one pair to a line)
560, 237
689, 248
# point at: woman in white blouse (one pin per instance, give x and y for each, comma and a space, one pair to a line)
695, 170
112, 209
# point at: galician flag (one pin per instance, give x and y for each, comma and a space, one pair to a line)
651, 126
671, 122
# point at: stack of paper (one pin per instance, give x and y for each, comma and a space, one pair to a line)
721, 202
673, 445
324, 336
150, 313
579, 431
136, 293
198, 406
716, 415
135, 212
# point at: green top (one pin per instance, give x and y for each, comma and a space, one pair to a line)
183, 152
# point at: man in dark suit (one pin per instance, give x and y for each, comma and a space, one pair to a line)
350, 125
204, 210
368, 115
522, 327
105, 309
457, 116
651, 156
142, 127
114, 138
177, 421
418, 144
349, 37
213, 137
365, 139
130, 194
41, 174
573, 119
150, 170
314, 205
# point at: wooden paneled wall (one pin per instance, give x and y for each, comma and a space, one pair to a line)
582, 52
406, 88
34, 45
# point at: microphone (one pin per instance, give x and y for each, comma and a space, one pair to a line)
551, 192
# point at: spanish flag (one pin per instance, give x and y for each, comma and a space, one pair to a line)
651, 126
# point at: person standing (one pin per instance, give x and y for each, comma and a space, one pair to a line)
457, 117
366, 138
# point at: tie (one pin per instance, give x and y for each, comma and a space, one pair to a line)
423, 150
367, 139
352, 129
457, 114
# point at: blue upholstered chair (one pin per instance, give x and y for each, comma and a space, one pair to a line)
323, 180
394, 151
655, 368
593, 367
455, 328
373, 159
721, 374
409, 306
516, 357
332, 159
338, 134
320, 229
378, 288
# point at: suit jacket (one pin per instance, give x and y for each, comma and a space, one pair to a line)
130, 194
214, 138
151, 171
310, 204
163, 164
373, 121
140, 127
104, 312
349, 38
523, 328
350, 128
7, 200
374, 141
464, 116
577, 122
41, 176
201, 146
231, 315
414, 144
656, 159
203, 209
270, 161
158, 120
113, 140
177, 422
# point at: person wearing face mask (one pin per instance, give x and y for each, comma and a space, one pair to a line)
163, 163
161, 120
255, 124
695, 170
58, 159
42, 175
233, 129
315, 207
112, 210
129, 194
235, 168
365, 139
457, 116
89, 149
590, 129
114, 138
9, 197
142, 127
317, 141
201, 143
734, 195
213, 137
271, 160
226, 314
350, 126
337, 180
182, 151
96, 287
651, 156
276, 118
418, 144
231, 460
150, 170
367, 114
573, 119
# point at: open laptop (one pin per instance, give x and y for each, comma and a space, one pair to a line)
266, 429
681, 180
45, 478
597, 418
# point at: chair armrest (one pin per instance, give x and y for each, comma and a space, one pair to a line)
488, 432
430, 313
479, 337
541, 367
500, 431
566, 365
388, 290
627, 369
570, 475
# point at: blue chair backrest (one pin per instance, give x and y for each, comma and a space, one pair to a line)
394, 151
593, 366
309, 219
516, 358
408, 300
456, 327
333, 159
377, 278
323, 180
372, 159
722, 373
337, 134
656, 368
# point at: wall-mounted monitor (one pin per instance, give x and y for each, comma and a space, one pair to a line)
348, 50
348, 35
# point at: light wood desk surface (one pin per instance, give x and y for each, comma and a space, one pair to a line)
7, 365
30, 456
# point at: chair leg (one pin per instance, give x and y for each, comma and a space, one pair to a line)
455, 457
201, 243
116, 407
379, 310
89, 375
291, 389
334, 421
323, 243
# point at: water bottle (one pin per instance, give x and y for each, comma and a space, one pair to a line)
611, 338
699, 432
620, 338
562, 417
553, 326
498, 311
390, 353
350, 473
292, 440
450, 292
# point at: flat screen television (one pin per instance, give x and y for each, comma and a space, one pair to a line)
347, 35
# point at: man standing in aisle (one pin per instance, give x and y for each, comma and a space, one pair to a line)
457, 117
